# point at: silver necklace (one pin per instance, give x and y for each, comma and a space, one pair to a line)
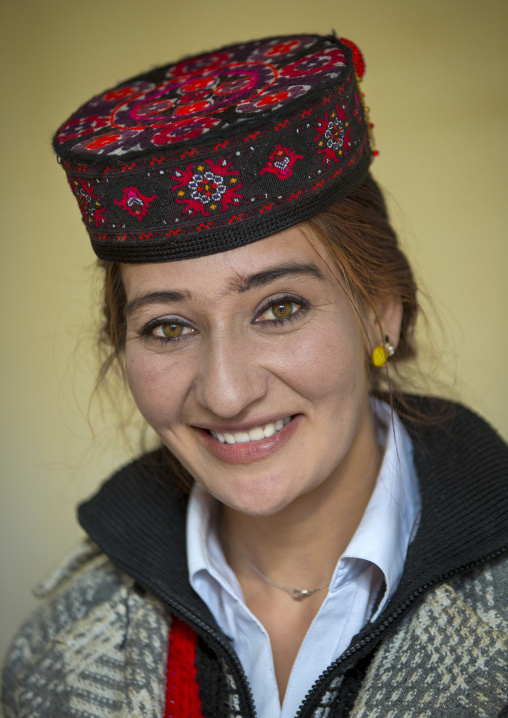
296, 592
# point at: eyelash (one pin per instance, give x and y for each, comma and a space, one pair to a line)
146, 331
302, 307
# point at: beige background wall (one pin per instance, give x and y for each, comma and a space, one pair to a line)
436, 79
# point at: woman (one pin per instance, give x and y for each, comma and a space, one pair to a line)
338, 554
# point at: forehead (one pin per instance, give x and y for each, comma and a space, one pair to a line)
225, 272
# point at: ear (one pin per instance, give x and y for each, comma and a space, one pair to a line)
389, 314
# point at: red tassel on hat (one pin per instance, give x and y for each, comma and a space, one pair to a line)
358, 59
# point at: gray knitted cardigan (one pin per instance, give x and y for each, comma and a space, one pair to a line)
97, 646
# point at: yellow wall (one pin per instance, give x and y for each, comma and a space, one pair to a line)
436, 78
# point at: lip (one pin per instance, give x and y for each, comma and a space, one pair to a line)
251, 450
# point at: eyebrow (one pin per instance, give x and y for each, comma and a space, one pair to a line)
240, 285
244, 284
155, 298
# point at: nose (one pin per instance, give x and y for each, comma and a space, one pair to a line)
230, 376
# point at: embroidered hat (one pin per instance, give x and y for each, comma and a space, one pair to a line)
218, 150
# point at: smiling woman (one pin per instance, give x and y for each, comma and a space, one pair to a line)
307, 536
250, 346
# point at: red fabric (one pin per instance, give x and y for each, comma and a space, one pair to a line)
182, 691
358, 60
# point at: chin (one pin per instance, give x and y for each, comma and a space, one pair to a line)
258, 497
257, 508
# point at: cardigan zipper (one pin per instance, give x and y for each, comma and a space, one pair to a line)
388, 622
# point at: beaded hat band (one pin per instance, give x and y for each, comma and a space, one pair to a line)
218, 150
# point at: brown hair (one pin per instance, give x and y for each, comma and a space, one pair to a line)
358, 236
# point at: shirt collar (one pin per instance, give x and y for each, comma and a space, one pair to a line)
391, 517
205, 557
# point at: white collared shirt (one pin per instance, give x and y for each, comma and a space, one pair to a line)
376, 553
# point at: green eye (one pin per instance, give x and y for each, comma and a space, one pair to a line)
172, 330
281, 310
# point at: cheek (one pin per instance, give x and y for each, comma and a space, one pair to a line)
327, 363
154, 387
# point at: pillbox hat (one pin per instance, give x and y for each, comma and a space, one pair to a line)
218, 150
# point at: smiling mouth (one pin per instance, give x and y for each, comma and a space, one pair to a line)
255, 434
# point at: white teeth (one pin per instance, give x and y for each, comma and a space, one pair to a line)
255, 434
270, 430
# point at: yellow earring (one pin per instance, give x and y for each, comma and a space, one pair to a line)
381, 353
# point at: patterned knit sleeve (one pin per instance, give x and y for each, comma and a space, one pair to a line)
94, 646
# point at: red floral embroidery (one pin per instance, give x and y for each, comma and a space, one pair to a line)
281, 48
102, 141
181, 102
313, 64
184, 130
333, 135
199, 83
121, 93
191, 108
135, 202
82, 126
112, 143
281, 162
274, 98
89, 203
202, 64
207, 187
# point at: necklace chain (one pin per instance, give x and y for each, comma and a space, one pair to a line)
296, 592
